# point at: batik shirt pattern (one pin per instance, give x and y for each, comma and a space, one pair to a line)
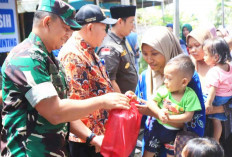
25, 132
87, 78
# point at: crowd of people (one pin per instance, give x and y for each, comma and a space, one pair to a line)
58, 106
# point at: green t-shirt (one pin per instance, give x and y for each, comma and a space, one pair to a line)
189, 102
30, 73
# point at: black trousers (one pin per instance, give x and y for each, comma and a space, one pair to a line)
82, 150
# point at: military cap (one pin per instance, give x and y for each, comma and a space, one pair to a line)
92, 13
65, 11
122, 11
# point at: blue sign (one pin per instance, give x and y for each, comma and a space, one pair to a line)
3, 1
9, 34
10, 42
7, 21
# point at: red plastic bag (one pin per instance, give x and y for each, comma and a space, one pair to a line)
122, 129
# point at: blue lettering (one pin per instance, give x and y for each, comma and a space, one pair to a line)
7, 21
3, 1
11, 42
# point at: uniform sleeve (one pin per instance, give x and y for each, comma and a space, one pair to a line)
32, 78
192, 102
77, 76
212, 78
112, 61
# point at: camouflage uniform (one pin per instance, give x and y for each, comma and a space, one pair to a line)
31, 74
25, 132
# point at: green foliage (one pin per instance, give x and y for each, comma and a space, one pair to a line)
149, 16
142, 65
227, 13
153, 16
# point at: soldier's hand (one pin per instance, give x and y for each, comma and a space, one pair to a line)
115, 101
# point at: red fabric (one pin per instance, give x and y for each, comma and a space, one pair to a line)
122, 129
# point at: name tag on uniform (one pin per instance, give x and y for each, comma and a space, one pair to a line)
123, 53
105, 51
127, 65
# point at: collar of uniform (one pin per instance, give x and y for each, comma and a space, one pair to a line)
115, 37
37, 41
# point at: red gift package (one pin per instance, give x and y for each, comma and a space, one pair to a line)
122, 129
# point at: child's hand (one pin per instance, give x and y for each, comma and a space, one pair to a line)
208, 108
163, 115
143, 109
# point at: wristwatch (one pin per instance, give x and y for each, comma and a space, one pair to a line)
90, 138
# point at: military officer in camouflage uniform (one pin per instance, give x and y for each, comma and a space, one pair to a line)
35, 113
117, 52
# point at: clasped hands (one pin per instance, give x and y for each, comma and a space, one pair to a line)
163, 115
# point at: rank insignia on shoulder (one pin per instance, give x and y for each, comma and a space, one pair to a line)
127, 65
105, 51
123, 53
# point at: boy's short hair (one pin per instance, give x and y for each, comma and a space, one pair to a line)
184, 65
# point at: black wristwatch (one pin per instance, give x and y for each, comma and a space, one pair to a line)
90, 138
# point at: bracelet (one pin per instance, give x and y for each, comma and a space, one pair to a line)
90, 138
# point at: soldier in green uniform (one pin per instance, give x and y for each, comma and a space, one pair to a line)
117, 52
35, 112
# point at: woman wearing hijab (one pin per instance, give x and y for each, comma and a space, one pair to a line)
158, 46
182, 42
195, 40
186, 29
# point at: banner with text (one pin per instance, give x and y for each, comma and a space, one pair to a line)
8, 25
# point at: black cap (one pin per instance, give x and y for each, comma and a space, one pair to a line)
92, 13
122, 11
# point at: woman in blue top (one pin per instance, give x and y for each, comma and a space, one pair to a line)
158, 46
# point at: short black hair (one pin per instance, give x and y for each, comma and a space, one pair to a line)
123, 18
220, 47
184, 64
38, 15
203, 147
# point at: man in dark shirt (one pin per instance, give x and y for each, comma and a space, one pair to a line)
117, 52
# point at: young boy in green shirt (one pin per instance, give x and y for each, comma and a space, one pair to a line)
177, 104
